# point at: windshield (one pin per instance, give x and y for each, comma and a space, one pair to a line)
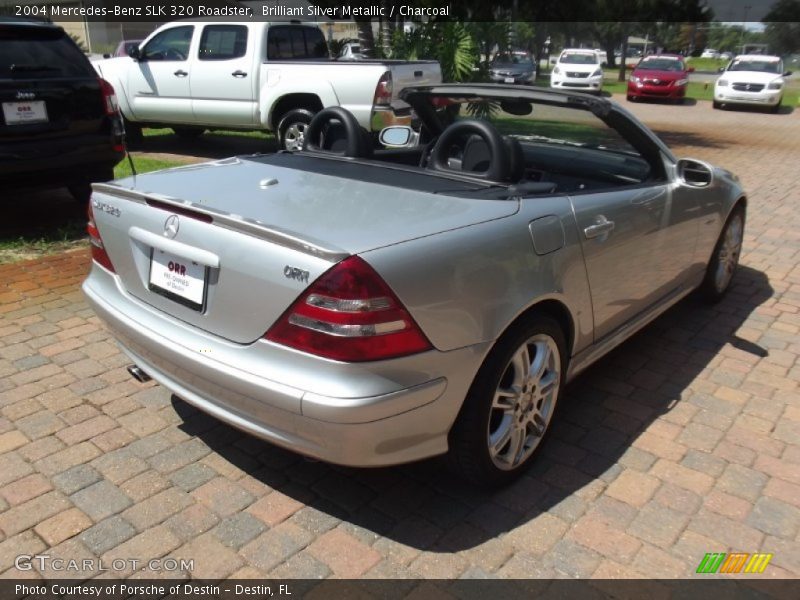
579, 58
39, 53
759, 65
512, 59
661, 64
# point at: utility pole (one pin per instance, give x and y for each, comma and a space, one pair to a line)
744, 26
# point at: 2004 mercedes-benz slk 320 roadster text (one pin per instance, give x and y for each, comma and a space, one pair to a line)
374, 307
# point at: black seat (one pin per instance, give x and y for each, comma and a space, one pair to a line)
516, 157
476, 157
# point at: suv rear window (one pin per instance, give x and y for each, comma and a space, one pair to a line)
40, 53
292, 42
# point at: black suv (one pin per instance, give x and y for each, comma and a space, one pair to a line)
59, 122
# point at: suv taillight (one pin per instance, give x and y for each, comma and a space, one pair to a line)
109, 97
383, 91
99, 254
349, 314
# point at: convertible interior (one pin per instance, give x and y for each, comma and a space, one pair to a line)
470, 156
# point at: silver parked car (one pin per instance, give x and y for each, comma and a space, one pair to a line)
374, 307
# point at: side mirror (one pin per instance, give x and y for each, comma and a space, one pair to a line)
694, 173
721, 70
397, 136
690, 70
787, 73
106, 55
134, 53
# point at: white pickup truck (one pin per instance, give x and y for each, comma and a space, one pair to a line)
194, 76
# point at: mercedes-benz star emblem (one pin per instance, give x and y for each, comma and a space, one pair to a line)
171, 226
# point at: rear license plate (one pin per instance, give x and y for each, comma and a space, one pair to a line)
19, 113
509, 80
177, 278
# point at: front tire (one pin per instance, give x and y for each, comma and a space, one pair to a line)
292, 129
510, 406
725, 258
716, 105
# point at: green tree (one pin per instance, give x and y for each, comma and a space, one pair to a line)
448, 42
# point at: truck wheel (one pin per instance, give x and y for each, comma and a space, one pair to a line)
188, 133
292, 129
133, 134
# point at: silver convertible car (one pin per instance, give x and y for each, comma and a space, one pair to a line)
378, 306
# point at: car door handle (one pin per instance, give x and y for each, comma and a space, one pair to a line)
239, 74
601, 227
180, 73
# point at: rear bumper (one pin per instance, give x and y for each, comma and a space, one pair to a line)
523, 78
386, 116
49, 163
400, 421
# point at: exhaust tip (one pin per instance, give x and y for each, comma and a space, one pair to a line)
138, 374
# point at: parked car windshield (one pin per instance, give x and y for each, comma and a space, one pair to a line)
661, 64
512, 59
579, 58
763, 66
40, 53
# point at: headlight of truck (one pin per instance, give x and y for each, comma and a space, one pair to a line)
722, 82
597, 73
775, 85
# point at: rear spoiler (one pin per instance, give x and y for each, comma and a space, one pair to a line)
227, 220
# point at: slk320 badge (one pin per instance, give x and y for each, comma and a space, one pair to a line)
295, 273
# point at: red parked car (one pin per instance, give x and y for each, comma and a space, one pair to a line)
662, 76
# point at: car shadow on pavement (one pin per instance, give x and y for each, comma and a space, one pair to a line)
651, 377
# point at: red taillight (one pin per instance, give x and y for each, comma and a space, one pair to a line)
109, 97
383, 91
111, 106
99, 254
349, 314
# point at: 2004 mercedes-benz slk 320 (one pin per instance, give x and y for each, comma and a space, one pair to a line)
374, 307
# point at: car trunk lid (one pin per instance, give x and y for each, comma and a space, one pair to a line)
254, 236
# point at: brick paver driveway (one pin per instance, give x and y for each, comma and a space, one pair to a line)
686, 440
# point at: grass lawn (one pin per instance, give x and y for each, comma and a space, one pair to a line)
144, 164
706, 64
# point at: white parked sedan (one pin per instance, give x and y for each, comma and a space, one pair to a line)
752, 79
578, 69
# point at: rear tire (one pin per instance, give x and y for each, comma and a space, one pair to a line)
725, 259
292, 129
188, 133
508, 411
